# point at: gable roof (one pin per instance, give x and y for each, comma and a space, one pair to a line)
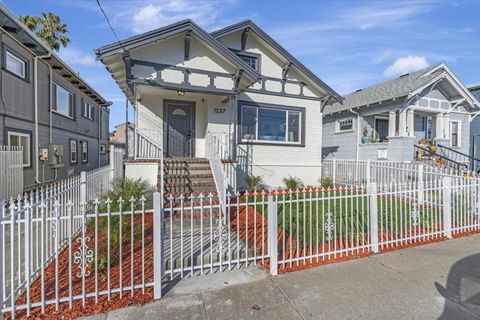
173, 29
37, 47
276, 46
403, 86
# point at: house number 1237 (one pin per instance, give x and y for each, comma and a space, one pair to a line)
219, 110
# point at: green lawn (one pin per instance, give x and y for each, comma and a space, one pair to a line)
308, 221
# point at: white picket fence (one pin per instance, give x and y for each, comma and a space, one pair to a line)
344, 172
11, 171
103, 250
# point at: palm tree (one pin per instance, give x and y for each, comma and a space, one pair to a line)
52, 30
31, 22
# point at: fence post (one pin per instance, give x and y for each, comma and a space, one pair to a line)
158, 270
2, 278
334, 170
83, 187
112, 163
367, 173
447, 206
273, 234
372, 190
421, 185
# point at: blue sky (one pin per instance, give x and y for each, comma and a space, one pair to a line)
349, 44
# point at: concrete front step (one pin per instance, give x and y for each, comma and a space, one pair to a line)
187, 175
188, 187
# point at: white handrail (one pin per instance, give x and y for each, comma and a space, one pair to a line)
147, 147
214, 157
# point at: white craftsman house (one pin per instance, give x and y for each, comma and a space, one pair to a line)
233, 96
424, 115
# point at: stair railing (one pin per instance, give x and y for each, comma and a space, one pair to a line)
456, 165
215, 151
472, 162
148, 148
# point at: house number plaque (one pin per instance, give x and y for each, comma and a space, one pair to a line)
218, 110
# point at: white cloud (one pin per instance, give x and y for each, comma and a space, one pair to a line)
405, 65
74, 56
153, 14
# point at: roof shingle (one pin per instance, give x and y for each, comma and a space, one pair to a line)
384, 91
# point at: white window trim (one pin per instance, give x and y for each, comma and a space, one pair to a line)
89, 111
55, 101
459, 133
71, 151
337, 126
83, 142
286, 110
21, 134
24, 64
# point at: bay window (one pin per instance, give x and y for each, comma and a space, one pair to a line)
270, 124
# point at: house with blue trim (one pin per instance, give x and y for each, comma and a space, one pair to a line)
402, 119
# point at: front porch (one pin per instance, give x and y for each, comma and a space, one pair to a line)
182, 124
392, 135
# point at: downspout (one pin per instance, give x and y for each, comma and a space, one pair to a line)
99, 134
35, 97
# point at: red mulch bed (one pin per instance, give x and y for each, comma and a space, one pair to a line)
237, 221
103, 304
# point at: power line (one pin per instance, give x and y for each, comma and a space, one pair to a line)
110, 25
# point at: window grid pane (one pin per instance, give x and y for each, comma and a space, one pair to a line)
271, 124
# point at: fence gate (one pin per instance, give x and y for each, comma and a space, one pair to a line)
197, 237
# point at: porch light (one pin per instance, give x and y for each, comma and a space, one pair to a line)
181, 93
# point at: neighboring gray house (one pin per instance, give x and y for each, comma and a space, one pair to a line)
427, 107
47, 108
475, 124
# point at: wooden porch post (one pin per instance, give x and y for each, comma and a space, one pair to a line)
392, 123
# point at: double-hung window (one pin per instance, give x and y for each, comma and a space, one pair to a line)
84, 150
62, 101
88, 110
455, 133
73, 151
23, 140
15, 64
270, 124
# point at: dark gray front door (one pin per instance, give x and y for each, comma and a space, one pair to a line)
180, 121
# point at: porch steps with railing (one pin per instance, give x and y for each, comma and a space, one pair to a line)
187, 176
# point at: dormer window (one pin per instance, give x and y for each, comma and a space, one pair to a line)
251, 60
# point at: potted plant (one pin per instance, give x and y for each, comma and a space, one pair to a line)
374, 138
365, 138
433, 149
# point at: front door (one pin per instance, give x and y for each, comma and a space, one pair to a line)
180, 129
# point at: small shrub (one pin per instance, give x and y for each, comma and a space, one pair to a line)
253, 182
293, 182
326, 183
125, 189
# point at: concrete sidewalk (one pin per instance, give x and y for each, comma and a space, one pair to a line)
405, 284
